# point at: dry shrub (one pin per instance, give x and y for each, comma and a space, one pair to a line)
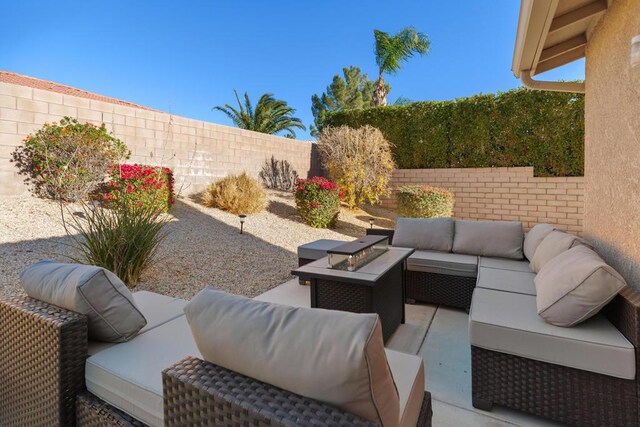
359, 160
238, 194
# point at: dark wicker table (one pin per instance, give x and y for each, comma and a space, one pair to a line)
377, 287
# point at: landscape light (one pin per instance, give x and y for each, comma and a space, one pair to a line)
242, 217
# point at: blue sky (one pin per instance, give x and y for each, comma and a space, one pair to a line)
187, 56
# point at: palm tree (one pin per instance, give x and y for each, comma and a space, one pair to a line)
391, 52
269, 116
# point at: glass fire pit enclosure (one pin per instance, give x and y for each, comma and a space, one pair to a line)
353, 255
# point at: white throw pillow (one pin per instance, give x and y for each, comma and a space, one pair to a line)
553, 245
331, 356
574, 286
86, 289
534, 237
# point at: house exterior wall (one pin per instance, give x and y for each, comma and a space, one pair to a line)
197, 151
612, 140
510, 194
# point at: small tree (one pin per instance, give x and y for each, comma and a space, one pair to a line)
67, 160
278, 174
359, 160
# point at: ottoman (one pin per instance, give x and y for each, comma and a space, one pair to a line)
315, 250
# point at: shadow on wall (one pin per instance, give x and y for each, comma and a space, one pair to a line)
621, 262
316, 163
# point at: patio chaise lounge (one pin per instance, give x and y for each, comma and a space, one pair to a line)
52, 374
585, 373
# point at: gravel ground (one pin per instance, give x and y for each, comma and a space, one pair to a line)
203, 246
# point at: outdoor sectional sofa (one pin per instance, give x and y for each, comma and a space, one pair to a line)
52, 374
586, 374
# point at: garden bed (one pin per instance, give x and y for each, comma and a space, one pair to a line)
204, 245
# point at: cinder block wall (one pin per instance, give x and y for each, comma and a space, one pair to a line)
512, 194
197, 151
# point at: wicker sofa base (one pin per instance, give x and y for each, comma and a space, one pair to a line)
434, 288
200, 393
91, 411
567, 395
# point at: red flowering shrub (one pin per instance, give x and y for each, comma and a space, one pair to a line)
318, 201
140, 185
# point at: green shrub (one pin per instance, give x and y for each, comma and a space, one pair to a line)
140, 185
318, 201
359, 160
520, 127
424, 201
123, 239
238, 194
278, 174
67, 160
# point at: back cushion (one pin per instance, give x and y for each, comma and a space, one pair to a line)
332, 356
93, 291
534, 237
553, 245
489, 238
431, 234
574, 286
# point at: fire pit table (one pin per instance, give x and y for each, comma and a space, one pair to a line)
364, 276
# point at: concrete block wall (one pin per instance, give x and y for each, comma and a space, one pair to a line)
197, 151
511, 194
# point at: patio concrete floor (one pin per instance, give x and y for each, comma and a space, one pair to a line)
447, 359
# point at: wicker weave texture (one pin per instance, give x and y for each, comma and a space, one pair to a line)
434, 288
93, 412
42, 354
200, 393
567, 395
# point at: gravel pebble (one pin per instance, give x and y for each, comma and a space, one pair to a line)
203, 247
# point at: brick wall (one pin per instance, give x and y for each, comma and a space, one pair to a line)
504, 194
197, 151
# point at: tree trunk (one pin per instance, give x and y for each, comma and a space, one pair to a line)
379, 98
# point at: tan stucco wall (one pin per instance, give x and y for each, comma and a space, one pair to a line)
612, 140
197, 151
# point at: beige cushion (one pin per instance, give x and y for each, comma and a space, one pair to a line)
408, 374
507, 322
553, 245
157, 309
504, 264
332, 356
89, 290
129, 375
534, 237
506, 280
574, 286
443, 263
489, 238
432, 234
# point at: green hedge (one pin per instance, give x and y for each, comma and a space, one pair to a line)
517, 128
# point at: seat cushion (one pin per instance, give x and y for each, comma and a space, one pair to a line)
430, 234
508, 322
489, 238
157, 309
553, 245
408, 374
351, 373
506, 280
534, 237
443, 263
129, 375
317, 249
574, 286
505, 264
93, 291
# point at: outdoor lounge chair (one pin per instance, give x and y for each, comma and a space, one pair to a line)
45, 373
